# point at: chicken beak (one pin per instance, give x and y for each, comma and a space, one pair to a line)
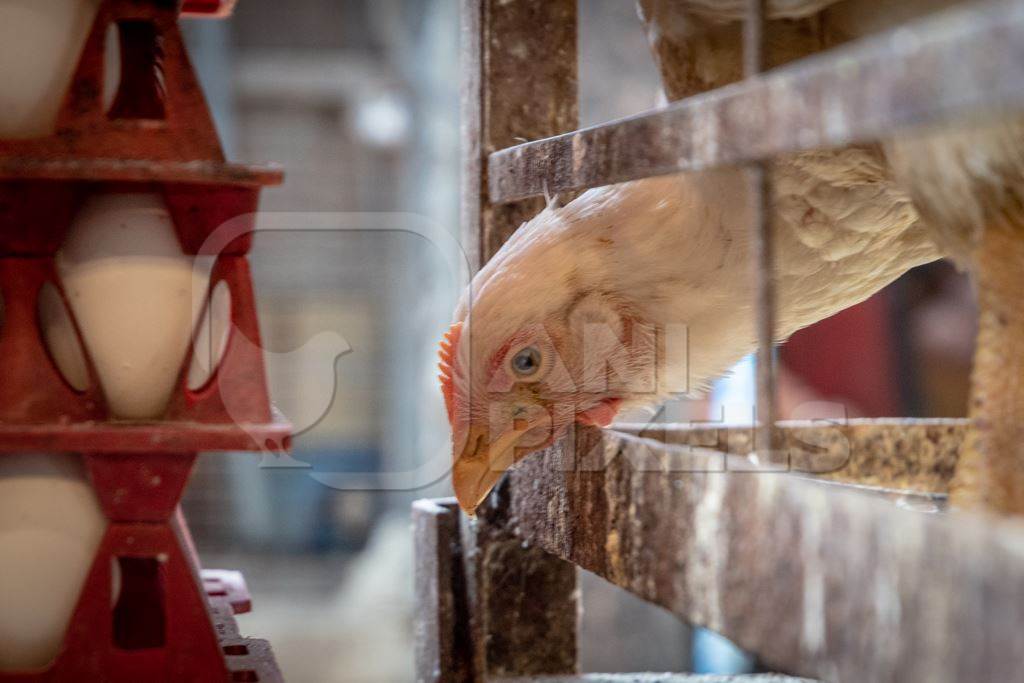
482, 462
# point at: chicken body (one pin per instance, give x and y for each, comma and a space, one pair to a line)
641, 259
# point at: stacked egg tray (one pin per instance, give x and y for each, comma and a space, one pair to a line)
156, 136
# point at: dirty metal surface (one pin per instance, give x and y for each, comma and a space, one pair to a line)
488, 604
961, 62
441, 616
905, 454
816, 581
990, 476
518, 83
760, 179
524, 606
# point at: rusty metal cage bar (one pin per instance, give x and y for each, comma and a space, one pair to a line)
517, 606
965, 61
754, 60
817, 579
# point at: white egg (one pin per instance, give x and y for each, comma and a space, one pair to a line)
40, 43
136, 298
50, 527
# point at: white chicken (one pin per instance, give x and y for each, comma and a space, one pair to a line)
577, 316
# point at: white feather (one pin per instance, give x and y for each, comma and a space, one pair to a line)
676, 250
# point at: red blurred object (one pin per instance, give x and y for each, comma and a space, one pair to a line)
158, 127
850, 356
145, 613
40, 411
208, 8
179, 155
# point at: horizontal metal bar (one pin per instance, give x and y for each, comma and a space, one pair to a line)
940, 68
815, 581
895, 454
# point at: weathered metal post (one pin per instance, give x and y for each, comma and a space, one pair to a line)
990, 475
754, 60
519, 83
518, 603
441, 627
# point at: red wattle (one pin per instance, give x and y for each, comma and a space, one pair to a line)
601, 415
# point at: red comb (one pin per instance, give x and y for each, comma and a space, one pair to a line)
449, 346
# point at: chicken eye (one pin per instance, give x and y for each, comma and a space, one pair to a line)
526, 361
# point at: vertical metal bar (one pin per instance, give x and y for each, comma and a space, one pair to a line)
440, 618
522, 603
989, 476
754, 61
754, 38
502, 41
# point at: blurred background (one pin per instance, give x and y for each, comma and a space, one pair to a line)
358, 100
